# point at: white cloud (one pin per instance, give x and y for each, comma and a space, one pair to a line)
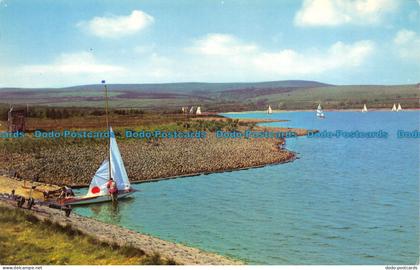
227, 53
73, 63
404, 36
81, 68
338, 56
117, 26
221, 44
213, 58
67, 69
338, 12
408, 44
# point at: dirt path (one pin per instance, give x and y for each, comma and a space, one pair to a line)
23, 188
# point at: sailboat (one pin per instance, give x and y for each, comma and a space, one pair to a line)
198, 112
399, 107
394, 108
364, 108
269, 110
320, 112
112, 167
192, 109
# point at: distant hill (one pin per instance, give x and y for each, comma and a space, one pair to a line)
291, 94
187, 87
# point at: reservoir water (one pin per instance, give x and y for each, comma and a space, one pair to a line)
344, 201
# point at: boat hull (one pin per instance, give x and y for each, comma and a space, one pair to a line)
95, 199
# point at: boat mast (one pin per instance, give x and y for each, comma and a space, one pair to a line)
107, 126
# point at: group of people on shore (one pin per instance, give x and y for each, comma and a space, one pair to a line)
111, 185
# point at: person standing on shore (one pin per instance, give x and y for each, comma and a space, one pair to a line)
66, 192
112, 189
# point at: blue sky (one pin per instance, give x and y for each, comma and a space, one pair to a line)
50, 43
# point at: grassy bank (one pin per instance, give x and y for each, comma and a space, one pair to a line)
26, 240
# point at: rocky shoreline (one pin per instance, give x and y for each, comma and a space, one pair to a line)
74, 163
115, 235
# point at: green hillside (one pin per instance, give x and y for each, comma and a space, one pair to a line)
219, 96
350, 96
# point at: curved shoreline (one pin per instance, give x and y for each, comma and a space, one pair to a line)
152, 180
116, 235
67, 163
314, 110
198, 157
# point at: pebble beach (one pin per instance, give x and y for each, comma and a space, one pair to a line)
70, 163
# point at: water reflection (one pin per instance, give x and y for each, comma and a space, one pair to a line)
110, 212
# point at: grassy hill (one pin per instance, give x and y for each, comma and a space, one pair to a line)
219, 96
344, 97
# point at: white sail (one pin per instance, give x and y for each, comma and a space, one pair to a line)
319, 111
269, 111
98, 184
118, 172
399, 107
192, 109
394, 108
198, 112
364, 108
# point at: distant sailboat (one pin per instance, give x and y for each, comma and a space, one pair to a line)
364, 108
394, 108
269, 110
198, 112
192, 109
320, 112
399, 107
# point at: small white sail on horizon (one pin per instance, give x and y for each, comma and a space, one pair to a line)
394, 108
269, 110
198, 112
192, 109
399, 107
364, 108
320, 112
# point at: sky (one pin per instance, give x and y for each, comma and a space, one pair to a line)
57, 43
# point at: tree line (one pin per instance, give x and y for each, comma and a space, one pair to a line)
63, 113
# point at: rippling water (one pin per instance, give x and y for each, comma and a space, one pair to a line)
345, 201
